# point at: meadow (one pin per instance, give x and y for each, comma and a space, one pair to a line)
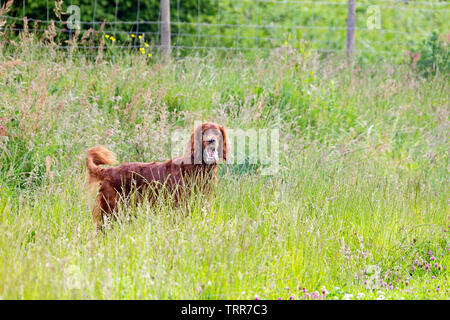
357, 210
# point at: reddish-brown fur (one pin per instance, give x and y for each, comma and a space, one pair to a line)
176, 176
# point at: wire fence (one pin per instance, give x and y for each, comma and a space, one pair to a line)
382, 27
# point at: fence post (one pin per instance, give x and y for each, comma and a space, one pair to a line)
350, 30
165, 28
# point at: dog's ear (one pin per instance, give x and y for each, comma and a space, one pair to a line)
194, 147
226, 146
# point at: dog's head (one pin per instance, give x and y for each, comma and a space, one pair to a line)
208, 144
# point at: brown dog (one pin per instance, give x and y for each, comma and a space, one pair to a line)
178, 176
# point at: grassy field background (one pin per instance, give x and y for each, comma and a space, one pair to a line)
358, 209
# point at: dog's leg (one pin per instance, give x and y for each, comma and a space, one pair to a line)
97, 214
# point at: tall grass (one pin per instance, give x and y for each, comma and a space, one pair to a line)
359, 206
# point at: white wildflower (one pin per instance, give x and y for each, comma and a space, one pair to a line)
360, 295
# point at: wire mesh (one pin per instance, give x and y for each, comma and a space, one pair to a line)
241, 25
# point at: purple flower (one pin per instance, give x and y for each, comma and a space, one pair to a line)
433, 258
430, 253
291, 298
279, 299
304, 290
436, 265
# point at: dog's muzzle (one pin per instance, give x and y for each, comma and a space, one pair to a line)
210, 155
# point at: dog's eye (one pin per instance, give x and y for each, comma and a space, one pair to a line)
211, 141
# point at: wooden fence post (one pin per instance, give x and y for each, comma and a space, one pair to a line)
350, 48
165, 28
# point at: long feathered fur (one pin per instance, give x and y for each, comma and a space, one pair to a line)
97, 156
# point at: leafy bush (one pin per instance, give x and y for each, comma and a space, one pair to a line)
432, 56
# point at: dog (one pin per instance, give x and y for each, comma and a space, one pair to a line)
177, 177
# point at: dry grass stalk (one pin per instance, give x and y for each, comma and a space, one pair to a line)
25, 36
58, 8
85, 38
73, 42
49, 36
3, 11
101, 45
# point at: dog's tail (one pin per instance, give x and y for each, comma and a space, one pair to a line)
97, 156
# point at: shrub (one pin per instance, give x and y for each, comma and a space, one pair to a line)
431, 56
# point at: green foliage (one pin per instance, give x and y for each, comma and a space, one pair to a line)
253, 25
127, 10
434, 56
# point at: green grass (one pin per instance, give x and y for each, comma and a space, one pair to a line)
362, 189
